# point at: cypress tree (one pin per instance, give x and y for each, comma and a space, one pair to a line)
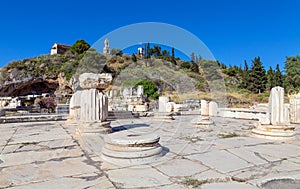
173, 56
244, 76
271, 79
257, 77
278, 76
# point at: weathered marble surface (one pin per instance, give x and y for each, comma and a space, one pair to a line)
51, 155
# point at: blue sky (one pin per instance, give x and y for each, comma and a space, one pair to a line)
233, 30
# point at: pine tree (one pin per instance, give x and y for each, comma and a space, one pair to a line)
257, 77
292, 70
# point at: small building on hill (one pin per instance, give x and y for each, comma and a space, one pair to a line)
59, 48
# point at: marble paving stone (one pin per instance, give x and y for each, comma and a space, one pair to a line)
248, 156
222, 161
241, 141
181, 167
186, 149
211, 176
34, 146
137, 177
5, 136
229, 185
19, 158
66, 183
40, 137
35, 172
276, 151
287, 166
295, 160
172, 186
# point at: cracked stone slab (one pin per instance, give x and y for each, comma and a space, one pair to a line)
172, 186
276, 152
138, 177
231, 185
6, 134
19, 158
249, 156
35, 146
221, 161
66, 183
181, 167
34, 172
212, 176
240, 142
41, 136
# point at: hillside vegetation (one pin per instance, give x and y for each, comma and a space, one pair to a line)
198, 78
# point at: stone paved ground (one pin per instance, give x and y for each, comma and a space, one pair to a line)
224, 155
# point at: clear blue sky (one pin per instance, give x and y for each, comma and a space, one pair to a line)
234, 30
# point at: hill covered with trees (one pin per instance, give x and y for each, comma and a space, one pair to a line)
244, 84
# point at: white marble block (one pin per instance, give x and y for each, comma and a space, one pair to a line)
277, 108
163, 104
295, 110
204, 108
213, 108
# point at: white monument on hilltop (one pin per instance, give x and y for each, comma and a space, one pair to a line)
106, 49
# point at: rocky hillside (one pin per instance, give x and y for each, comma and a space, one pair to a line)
53, 74
44, 74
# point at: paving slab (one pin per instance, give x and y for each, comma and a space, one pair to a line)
275, 152
181, 167
211, 176
66, 183
230, 185
248, 156
38, 172
221, 161
12, 159
138, 177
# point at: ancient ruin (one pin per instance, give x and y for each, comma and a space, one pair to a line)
276, 123
205, 117
127, 148
295, 109
165, 109
89, 105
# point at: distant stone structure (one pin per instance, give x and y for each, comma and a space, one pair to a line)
141, 52
213, 108
127, 99
205, 118
165, 108
106, 49
59, 48
276, 124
